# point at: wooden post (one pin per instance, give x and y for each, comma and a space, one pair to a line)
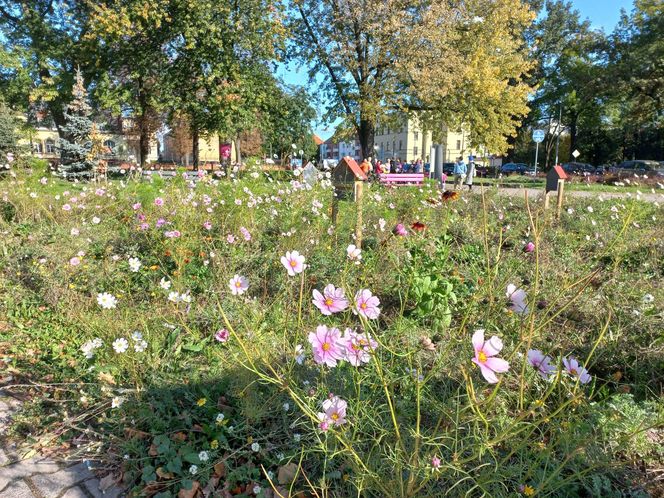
559, 206
546, 200
335, 207
359, 187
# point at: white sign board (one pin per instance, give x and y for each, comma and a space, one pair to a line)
538, 136
576, 154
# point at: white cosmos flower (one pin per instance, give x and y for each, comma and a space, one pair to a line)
134, 264
120, 345
107, 301
116, 402
165, 284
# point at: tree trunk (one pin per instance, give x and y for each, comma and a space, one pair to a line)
195, 151
238, 152
573, 131
143, 126
143, 139
366, 134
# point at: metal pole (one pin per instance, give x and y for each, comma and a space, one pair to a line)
560, 120
536, 151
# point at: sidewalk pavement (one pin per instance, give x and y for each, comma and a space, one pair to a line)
40, 477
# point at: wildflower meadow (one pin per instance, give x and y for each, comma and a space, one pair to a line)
221, 336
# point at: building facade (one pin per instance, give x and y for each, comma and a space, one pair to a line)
122, 146
409, 142
331, 149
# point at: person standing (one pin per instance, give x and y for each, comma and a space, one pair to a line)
470, 174
459, 173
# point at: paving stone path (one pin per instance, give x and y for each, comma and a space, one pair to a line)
40, 477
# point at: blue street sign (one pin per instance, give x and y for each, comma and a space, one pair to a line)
538, 136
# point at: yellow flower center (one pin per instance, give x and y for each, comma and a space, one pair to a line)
326, 346
328, 302
481, 356
573, 371
363, 306
238, 284
334, 416
293, 263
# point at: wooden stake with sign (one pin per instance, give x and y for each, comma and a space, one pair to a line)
555, 182
348, 180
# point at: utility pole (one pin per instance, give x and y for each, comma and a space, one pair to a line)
560, 120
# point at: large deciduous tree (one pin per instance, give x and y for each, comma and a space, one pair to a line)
461, 62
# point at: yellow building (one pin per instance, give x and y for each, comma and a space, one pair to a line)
408, 142
43, 143
178, 149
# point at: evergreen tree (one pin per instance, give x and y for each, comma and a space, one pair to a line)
76, 146
8, 136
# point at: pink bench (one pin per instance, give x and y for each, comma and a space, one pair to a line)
401, 179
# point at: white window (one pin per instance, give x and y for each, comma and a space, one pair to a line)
110, 144
415, 150
417, 135
39, 148
50, 146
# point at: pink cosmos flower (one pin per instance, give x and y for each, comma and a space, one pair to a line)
400, 230
222, 335
160, 222
207, 225
331, 300
366, 304
144, 226
485, 356
75, 261
159, 201
435, 463
230, 239
575, 370
324, 426
354, 253
326, 345
518, 298
238, 285
334, 411
172, 234
245, 233
293, 262
66, 207
136, 206
529, 247
357, 347
541, 362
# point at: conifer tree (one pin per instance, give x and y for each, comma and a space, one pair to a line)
77, 147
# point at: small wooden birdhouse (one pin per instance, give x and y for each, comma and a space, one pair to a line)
344, 177
556, 174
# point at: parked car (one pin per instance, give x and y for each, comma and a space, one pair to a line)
638, 167
448, 168
580, 169
530, 171
509, 168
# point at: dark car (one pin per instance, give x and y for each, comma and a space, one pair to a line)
509, 168
448, 168
638, 167
579, 169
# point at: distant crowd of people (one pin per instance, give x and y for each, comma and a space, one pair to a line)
375, 166
463, 173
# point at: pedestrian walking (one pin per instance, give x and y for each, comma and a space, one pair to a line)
470, 174
459, 172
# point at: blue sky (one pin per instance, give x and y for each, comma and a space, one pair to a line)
603, 14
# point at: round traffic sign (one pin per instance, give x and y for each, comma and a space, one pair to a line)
538, 136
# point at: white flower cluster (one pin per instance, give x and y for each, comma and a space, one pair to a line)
89, 347
174, 297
